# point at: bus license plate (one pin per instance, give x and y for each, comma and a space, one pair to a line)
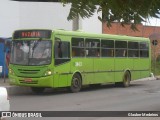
28, 80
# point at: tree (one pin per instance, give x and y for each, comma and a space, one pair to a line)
124, 11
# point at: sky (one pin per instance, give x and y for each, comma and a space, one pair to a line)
152, 22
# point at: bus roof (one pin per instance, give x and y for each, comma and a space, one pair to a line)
100, 36
80, 33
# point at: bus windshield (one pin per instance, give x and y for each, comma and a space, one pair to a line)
31, 52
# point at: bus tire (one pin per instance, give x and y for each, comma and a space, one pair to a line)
76, 83
126, 80
37, 90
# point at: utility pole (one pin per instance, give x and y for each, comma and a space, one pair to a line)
77, 23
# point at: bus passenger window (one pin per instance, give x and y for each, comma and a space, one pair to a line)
82, 53
73, 53
112, 53
78, 47
133, 49
124, 53
144, 49
97, 53
121, 48
92, 47
107, 48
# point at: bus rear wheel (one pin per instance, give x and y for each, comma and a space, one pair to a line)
37, 90
126, 80
76, 83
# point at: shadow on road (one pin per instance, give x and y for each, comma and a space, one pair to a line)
60, 91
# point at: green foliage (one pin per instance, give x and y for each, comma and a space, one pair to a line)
83, 8
124, 11
155, 67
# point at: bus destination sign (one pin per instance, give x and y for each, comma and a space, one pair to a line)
32, 34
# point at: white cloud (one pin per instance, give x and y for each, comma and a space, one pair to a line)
152, 22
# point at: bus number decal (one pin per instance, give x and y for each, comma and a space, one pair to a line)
78, 64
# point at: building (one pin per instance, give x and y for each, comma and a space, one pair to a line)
152, 32
48, 15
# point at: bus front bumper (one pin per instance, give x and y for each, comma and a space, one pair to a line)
32, 82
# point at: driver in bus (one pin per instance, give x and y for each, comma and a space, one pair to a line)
47, 51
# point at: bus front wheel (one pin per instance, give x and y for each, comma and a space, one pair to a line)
76, 83
37, 90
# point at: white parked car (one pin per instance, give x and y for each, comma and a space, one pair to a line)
4, 100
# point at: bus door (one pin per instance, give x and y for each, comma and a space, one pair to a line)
61, 62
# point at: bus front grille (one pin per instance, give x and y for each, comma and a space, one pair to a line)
25, 71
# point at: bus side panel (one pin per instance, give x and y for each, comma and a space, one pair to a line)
56, 80
121, 64
141, 68
103, 70
131, 67
136, 73
85, 67
145, 72
87, 70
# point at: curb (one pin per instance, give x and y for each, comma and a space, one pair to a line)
145, 79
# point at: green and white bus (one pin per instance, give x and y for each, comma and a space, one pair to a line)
42, 58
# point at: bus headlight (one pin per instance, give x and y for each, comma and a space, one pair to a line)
48, 72
11, 71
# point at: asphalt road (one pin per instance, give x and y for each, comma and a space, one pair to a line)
140, 96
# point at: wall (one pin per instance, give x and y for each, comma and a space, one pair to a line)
143, 31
